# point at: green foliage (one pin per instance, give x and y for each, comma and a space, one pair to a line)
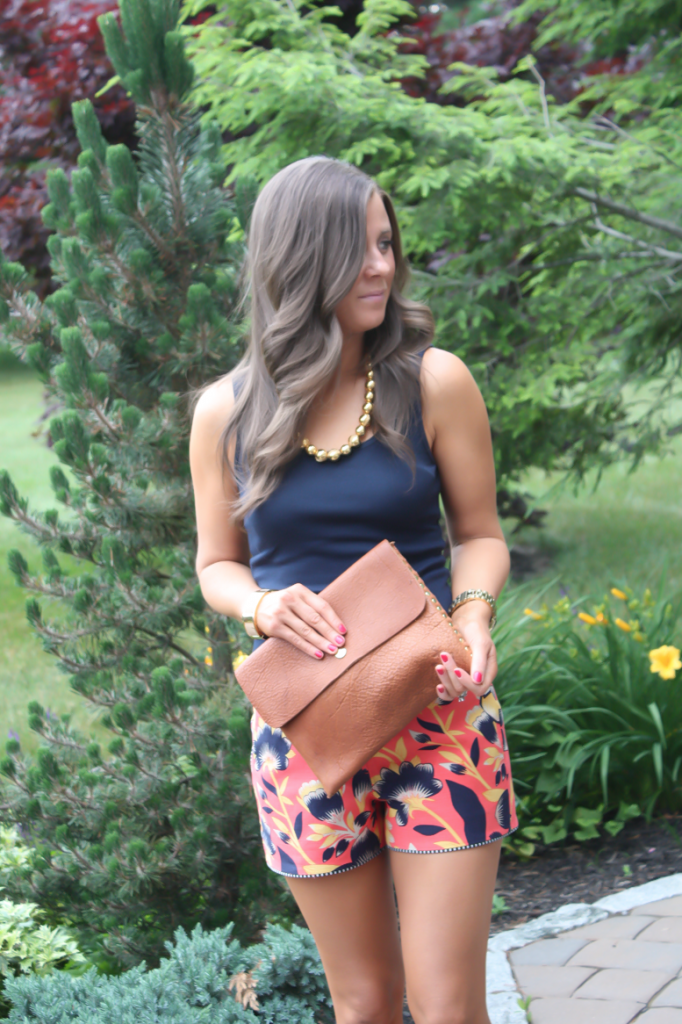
545, 243
26, 944
157, 827
15, 856
595, 733
208, 978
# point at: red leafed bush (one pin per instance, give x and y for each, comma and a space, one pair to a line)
51, 54
496, 43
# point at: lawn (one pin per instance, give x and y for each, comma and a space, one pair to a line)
626, 532
26, 672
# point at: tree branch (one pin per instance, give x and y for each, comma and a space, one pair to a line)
628, 212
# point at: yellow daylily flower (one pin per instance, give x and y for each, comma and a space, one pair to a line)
589, 619
666, 661
531, 614
619, 593
601, 618
238, 659
208, 660
625, 626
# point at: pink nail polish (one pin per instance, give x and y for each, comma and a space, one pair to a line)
342, 628
319, 654
440, 690
477, 677
331, 649
458, 673
440, 670
339, 639
444, 658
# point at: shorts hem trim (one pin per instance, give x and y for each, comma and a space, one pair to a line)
330, 874
394, 849
456, 849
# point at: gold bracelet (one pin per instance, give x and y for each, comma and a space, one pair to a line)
476, 595
250, 611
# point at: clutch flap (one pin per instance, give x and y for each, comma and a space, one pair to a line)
375, 598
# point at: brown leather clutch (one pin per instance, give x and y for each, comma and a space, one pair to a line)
340, 711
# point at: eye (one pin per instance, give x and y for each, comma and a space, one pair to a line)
385, 244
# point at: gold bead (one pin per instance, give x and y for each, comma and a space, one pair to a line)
353, 440
360, 430
369, 397
311, 449
365, 418
368, 406
371, 384
333, 454
305, 443
321, 455
345, 449
370, 376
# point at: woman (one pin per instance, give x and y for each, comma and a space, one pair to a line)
341, 427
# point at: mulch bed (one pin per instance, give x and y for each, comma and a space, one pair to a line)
583, 873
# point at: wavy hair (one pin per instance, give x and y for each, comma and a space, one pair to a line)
306, 247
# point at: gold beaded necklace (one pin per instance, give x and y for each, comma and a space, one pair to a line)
320, 455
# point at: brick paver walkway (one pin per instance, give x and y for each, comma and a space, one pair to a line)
627, 967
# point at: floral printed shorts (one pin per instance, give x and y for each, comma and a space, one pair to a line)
443, 783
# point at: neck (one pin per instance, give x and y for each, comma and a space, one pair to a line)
352, 356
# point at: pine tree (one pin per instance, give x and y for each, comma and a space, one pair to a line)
159, 830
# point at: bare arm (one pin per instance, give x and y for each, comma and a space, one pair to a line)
457, 426
294, 614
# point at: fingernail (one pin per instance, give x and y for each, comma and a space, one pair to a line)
444, 658
458, 673
477, 677
331, 649
339, 639
440, 690
440, 670
342, 628
318, 654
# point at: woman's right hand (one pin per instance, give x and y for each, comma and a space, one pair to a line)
303, 619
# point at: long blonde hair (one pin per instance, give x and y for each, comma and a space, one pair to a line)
306, 248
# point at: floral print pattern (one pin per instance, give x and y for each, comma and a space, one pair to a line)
443, 783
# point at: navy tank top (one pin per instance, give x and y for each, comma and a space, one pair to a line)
323, 516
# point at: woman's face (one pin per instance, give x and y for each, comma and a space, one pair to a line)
365, 305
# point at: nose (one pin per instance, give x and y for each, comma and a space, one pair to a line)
377, 263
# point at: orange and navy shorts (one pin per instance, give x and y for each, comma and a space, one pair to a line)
443, 783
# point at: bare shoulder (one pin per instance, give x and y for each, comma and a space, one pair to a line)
214, 403
445, 379
209, 419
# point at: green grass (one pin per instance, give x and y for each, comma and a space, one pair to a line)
26, 671
627, 531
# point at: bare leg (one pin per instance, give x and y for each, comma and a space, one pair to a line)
353, 920
445, 900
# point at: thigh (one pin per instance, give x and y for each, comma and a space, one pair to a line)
352, 917
444, 901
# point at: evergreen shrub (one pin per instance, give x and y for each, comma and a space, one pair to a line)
207, 978
158, 827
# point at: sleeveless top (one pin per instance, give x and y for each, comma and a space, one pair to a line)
323, 516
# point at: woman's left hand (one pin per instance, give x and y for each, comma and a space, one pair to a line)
453, 681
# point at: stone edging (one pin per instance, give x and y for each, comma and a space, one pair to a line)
502, 993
